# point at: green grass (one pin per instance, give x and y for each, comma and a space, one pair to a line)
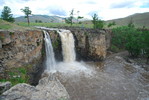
51, 25
23, 25
16, 75
4, 25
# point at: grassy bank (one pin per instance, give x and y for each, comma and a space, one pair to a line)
52, 25
4, 25
17, 75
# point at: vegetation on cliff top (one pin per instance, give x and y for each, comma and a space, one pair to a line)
6, 14
136, 41
4, 25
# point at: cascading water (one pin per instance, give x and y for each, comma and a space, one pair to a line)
67, 45
50, 59
69, 65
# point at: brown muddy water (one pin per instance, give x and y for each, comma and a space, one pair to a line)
112, 79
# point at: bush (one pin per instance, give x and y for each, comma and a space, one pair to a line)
146, 43
128, 38
111, 24
97, 23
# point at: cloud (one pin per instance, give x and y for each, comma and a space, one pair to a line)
88, 2
91, 13
106, 9
2, 2
58, 11
127, 4
146, 5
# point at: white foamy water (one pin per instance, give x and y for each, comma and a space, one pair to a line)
50, 59
72, 68
68, 47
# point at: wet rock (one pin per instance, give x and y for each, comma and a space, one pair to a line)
49, 88
4, 86
90, 44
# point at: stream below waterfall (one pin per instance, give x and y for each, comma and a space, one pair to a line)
112, 79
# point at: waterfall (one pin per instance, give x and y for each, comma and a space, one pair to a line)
67, 45
69, 65
50, 59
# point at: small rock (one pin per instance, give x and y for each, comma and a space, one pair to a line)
4, 86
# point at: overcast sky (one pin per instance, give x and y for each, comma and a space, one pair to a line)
106, 9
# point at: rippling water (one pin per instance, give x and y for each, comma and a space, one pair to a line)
112, 79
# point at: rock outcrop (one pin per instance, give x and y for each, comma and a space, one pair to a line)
19, 48
90, 44
49, 88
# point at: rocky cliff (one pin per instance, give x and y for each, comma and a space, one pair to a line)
23, 48
20, 48
90, 44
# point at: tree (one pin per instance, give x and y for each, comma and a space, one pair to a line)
69, 20
131, 24
27, 12
111, 24
38, 21
79, 17
98, 24
128, 38
6, 14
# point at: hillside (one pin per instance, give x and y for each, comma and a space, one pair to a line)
139, 19
43, 18
4, 25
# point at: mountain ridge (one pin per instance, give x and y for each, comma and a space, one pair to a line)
42, 18
138, 19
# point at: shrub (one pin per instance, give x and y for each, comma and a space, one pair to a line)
128, 38
98, 24
111, 24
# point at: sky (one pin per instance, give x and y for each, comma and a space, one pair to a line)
105, 9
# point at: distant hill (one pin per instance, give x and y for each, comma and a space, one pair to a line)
139, 20
43, 18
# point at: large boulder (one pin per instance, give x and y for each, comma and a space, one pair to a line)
49, 88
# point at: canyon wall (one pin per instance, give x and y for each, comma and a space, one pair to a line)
26, 48
20, 49
90, 44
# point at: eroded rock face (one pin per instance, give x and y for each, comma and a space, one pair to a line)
49, 88
91, 44
18, 48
